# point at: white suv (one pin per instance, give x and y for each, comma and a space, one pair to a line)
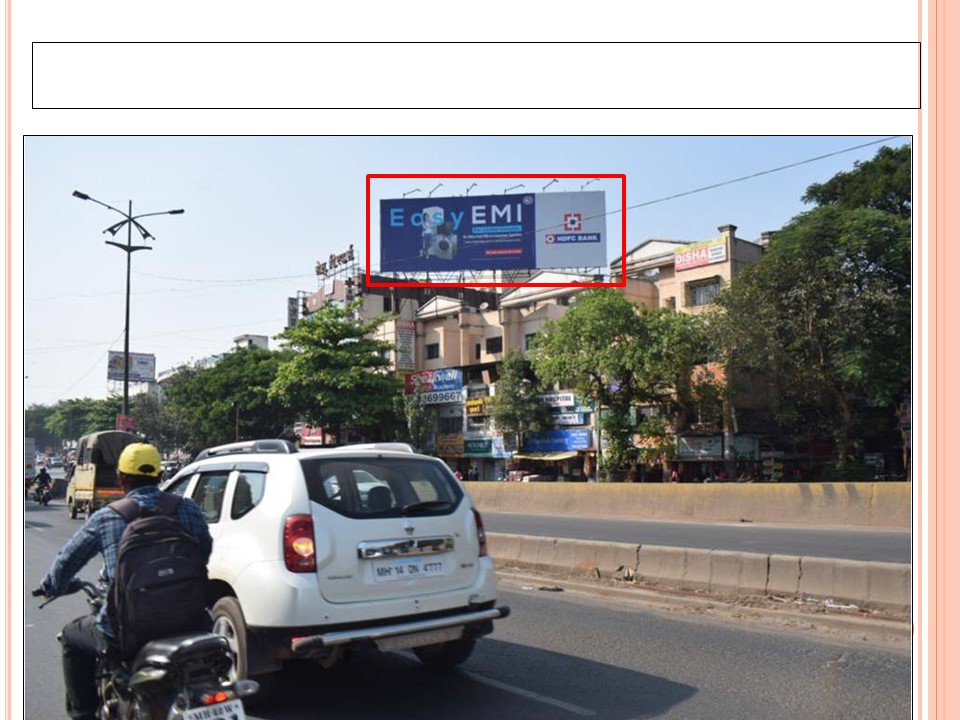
318, 551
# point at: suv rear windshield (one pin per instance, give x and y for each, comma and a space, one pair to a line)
381, 487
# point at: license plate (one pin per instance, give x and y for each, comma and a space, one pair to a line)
407, 568
230, 710
428, 637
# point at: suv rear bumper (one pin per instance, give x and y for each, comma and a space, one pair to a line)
372, 634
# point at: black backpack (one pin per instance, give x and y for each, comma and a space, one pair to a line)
160, 586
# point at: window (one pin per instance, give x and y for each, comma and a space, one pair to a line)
476, 351
387, 304
369, 488
208, 494
476, 423
180, 487
451, 425
247, 493
494, 345
433, 351
528, 340
703, 293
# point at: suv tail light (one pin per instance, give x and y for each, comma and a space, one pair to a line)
298, 549
481, 533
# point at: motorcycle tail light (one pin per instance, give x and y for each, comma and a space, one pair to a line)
213, 698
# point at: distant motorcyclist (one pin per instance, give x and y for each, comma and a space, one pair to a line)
43, 477
43, 485
138, 471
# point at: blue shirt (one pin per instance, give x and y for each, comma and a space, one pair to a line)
101, 534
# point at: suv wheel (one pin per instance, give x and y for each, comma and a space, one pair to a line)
446, 655
228, 621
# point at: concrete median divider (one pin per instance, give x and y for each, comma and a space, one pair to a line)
861, 504
876, 585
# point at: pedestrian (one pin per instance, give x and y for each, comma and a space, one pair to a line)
138, 472
674, 476
459, 475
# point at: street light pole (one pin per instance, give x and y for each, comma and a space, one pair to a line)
129, 220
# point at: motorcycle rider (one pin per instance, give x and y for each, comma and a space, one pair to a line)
138, 471
43, 482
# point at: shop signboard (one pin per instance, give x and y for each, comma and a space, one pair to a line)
564, 402
558, 440
450, 445
434, 380
493, 232
477, 446
406, 340
477, 405
747, 448
442, 397
568, 418
698, 254
701, 448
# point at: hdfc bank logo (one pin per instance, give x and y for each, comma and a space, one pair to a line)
573, 222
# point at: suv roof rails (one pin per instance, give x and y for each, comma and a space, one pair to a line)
281, 447
388, 446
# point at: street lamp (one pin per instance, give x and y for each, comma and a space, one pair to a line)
513, 188
130, 220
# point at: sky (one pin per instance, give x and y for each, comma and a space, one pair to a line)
259, 212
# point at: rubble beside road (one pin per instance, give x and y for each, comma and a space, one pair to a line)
809, 615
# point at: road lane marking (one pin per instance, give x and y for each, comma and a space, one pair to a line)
522, 692
529, 694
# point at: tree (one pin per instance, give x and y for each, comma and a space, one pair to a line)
71, 419
419, 417
882, 183
623, 355
338, 376
34, 425
515, 408
227, 401
824, 317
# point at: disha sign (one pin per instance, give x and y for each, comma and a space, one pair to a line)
701, 253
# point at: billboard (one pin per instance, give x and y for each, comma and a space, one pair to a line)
571, 230
445, 380
493, 232
143, 367
701, 253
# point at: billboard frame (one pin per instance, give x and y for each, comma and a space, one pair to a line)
623, 224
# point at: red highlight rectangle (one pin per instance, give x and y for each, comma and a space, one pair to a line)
588, 176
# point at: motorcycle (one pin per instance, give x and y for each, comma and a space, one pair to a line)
186, 677
42, 494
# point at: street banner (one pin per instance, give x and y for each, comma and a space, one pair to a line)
406, 337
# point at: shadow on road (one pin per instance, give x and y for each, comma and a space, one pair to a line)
501, 680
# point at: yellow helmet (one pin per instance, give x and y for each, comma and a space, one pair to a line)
140, 459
